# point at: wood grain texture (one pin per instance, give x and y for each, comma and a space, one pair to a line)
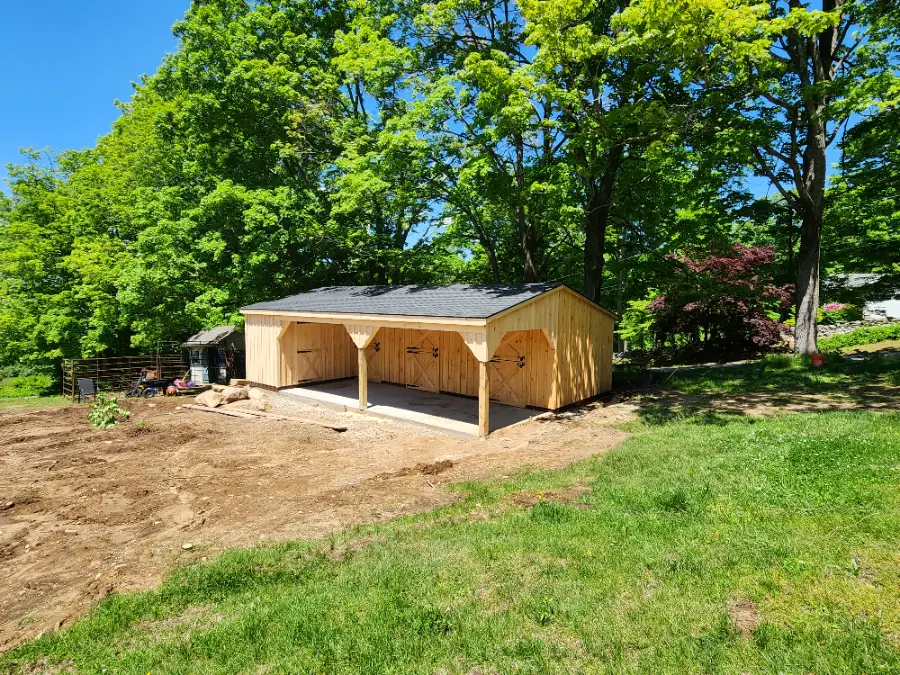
363, 375
263, 354
584, 350
484, 399
315, 352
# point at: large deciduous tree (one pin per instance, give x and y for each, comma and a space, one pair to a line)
613, 101
783, 80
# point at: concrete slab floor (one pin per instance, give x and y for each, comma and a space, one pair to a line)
456, 415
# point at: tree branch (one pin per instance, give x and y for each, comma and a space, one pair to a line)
862, 36
789, 197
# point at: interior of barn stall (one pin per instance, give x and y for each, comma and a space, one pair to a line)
428, 360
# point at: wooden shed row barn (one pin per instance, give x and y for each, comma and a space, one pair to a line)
537, 345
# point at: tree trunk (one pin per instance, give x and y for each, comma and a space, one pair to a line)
529, 245
805, 331
490, 249
812, 201
492, 263
597, 208
527, 231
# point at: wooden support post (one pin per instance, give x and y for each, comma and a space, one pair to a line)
363, 379
484, 399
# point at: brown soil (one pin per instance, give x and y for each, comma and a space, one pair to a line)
85, 512
744, 616
570, 495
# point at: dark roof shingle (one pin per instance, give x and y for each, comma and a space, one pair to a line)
458, 301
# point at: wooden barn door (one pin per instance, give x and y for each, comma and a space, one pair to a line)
374, 359
305, 353
507, 370
423, 363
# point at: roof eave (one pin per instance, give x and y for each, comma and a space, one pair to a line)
350, 317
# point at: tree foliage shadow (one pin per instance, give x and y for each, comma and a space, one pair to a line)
715, 395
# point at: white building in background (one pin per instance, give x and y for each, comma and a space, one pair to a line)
884, 300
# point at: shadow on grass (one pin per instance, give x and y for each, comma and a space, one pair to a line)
712, 395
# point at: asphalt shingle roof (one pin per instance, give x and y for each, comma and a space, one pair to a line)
458, 301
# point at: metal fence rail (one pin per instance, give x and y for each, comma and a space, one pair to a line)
118, 373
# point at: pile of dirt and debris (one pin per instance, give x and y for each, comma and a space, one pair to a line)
220, 394
257, 403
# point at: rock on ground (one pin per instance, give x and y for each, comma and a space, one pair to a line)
232, 394
211, 399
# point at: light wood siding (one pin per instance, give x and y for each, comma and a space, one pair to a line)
584, 350
261, 336
540, 365
459, 368
392, 348
566, 341
542, 313
313, 352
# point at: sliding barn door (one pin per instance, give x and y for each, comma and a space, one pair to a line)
507, 371
423, 363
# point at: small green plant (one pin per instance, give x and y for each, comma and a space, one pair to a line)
862, 336
544, 611
105, 412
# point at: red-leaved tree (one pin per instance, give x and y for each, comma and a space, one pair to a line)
720, 303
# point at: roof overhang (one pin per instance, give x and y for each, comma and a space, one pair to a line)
389, 320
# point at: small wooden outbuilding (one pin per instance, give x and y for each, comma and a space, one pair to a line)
540, 345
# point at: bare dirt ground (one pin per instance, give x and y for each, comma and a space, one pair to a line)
85, 512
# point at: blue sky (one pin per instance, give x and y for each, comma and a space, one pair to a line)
65, 62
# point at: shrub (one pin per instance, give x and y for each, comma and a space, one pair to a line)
105, 412
837, 312
862, 336
720, 303
26, 386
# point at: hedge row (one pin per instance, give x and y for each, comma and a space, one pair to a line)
862, 336
29, 385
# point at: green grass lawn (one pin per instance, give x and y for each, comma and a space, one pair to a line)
786, 375
793, 519
21, 402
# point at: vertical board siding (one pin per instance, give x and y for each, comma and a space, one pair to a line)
540, 313
263, 354
334, 353
459, 367
578, 368
539, 370
584, 350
